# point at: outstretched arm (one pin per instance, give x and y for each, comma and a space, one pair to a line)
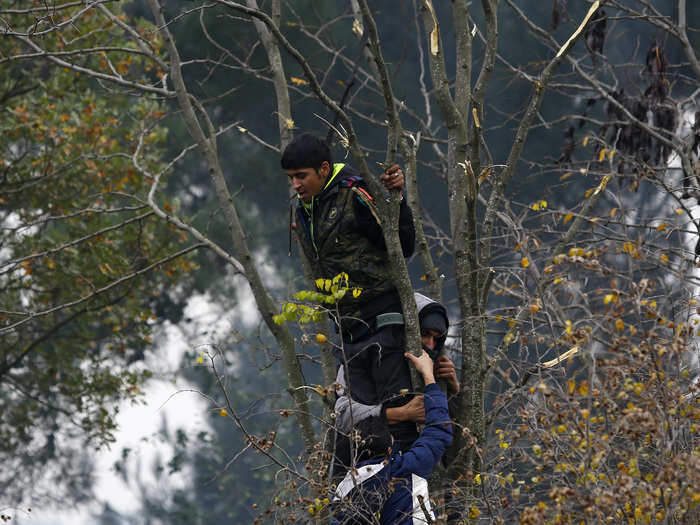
411, 411
424, 366
427, 450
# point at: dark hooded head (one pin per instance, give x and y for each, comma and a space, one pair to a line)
432, 317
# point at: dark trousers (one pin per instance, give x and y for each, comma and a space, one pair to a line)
377, 372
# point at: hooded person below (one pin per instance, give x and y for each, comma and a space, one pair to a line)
432, 316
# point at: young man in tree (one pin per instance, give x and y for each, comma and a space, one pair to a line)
338, 229
388, 486
433, 320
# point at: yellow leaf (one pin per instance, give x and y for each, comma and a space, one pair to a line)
319, 284
568, 217
475, 115
619, 325
610, 297
356, 292
289, 122
663, 258
569, 327
588, 193
357, 28
524, 262
223, 412
662, 226
585, 141
565, 176
572, 385
601, 154
320, 338
298, 81
679, 211
484, 174
611, 154
558, 280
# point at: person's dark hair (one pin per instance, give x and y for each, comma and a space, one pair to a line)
306, 151
375, 440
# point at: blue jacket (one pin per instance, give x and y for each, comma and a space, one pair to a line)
395, 489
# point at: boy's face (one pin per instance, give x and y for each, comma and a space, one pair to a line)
308, 182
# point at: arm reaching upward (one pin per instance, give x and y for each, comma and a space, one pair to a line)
424, 365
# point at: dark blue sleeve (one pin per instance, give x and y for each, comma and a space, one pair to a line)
427, 450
